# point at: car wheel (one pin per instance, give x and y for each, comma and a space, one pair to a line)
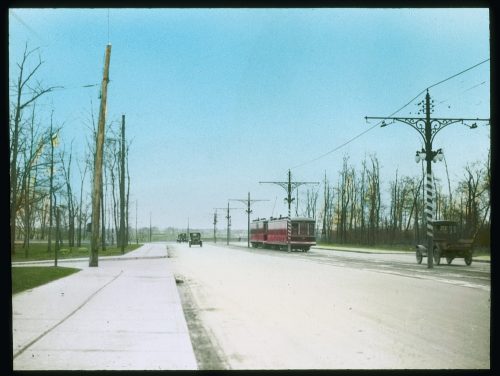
419, 256
437, 256
449, 260
468, 259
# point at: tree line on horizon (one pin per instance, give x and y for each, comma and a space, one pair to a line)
356, 208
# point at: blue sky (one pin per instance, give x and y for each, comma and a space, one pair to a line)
217, 100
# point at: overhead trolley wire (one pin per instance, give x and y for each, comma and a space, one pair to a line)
394, 113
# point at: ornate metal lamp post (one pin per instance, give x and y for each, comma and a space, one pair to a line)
428, 127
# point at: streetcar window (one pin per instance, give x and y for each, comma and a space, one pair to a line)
311, 228
295, 228
303, 228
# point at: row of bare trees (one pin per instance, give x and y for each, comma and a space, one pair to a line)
357, 209
43, 185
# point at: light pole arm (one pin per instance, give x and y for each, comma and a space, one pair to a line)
437, 124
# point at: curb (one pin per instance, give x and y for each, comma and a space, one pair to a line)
384, 252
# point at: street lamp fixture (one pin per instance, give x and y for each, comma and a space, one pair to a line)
420, 156
438, 156
435, 156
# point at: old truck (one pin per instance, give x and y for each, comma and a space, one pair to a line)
447, 244
195, 239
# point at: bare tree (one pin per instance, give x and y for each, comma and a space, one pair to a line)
70, 201
328, 210
81, 221
345, 197
127, 204
311, 203
362, 201
26, 91
373, 195
472, 187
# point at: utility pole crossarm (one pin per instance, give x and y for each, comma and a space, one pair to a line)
228, 217
284, 184
419, 123
248, 211
226, 208
289, 186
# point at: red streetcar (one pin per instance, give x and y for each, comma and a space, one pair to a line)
272, 233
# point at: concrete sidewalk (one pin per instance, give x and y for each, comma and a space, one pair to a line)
124, 314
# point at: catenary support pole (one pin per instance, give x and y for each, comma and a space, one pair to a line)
428, 127
248, 202
289, 186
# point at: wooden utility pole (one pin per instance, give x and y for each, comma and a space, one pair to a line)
97, 187
122, 188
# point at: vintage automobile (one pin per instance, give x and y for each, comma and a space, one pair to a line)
181, 238
195, 239
448, 244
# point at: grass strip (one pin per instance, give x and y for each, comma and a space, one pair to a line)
38, 251
25, 278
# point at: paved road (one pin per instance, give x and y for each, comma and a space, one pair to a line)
260, 309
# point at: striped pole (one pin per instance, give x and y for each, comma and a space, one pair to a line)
429, 206
429, 211
428, 186
289, 231
289, 221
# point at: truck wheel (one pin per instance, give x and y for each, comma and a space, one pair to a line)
437, 256
449, 260
201, 244
419, 256
468, 259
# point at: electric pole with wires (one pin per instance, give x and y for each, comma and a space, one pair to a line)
248, 211
428, 127
98, 162
215, 225
228, 217
289, 186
